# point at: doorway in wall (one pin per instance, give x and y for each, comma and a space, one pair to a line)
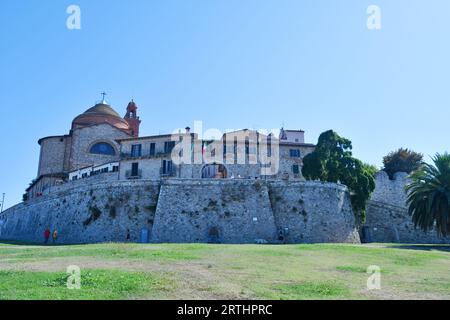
214, 171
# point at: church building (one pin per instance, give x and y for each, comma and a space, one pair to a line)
102, 144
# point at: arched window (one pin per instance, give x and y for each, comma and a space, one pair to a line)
103, 148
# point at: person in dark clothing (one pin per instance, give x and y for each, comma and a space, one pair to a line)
46, 235
128, 235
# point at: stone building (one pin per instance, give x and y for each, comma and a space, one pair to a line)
102, 179
101, 141
238, 154
90, 142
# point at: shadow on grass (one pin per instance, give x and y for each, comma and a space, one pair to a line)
34, 244
424, 247
50, 244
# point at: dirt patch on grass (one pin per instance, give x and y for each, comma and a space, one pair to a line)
194, 280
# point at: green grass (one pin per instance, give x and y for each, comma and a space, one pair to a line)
115, 251
95, 285
312, 290
200, 271
357, 269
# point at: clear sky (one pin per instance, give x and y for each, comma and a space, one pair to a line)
307, 64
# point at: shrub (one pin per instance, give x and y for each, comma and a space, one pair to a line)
402, 160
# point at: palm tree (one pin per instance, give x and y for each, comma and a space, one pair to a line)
429, 195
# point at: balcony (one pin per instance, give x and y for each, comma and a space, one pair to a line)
128, 155
168, 173
152, 155
129, 174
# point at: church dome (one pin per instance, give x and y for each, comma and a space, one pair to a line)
98, 114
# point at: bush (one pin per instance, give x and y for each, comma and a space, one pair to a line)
402, 160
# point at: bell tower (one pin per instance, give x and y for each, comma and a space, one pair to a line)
132, 119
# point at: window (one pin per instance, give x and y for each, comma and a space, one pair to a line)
136, 150
134, 169
103, 148
115, 168
167, 167
269, 149
294, 153
235, 150
247, 146
296, 169
168, 146
152, 149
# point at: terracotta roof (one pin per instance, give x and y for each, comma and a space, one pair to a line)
98, 114
102, 109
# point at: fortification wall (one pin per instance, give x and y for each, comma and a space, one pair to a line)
223, 211
98, 212
313, 212
387, 218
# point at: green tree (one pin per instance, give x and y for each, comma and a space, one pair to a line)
402, 160
332, 161
429, 195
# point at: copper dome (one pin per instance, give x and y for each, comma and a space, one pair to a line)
98, 114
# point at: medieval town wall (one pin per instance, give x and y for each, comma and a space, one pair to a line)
313, 212
191, 210
387, 218
89, 213
227, 211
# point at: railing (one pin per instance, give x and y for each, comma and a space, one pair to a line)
170, 173
130, 155
129, 174
160, 154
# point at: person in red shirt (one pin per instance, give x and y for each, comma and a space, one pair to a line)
46, 235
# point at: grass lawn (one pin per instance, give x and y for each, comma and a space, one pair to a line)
201, 271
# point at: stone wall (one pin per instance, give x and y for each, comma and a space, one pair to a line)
191, 210
313, 212
387, 218
98, 212
149, 168
84, 138
224, 211
52, 155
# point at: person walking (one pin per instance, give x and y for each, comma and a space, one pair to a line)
55, 236
46, 235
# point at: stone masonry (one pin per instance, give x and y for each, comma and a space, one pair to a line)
219, 211
387, 218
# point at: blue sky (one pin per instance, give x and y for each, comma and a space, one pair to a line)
307, 64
